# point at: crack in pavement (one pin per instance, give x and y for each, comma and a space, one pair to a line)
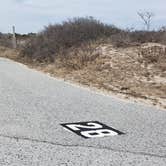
81, 146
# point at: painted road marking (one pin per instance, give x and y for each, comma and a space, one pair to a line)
91, 129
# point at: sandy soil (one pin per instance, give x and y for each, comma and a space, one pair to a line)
138, 72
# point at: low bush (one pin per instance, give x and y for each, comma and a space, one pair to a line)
148, 36
5, 40
58, 39
46, 45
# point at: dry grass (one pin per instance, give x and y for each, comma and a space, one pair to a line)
9, 53
138, 71
131, 71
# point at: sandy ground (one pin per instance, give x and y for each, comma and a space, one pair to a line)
137, 73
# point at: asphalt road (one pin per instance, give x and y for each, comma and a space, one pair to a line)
33, 105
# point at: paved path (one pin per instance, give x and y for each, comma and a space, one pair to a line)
33, 105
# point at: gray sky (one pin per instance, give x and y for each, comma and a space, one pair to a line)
33, 15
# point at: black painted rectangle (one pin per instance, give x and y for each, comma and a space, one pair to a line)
91, 129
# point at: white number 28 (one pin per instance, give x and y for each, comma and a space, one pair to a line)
95, 130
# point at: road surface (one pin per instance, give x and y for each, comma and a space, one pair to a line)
33, 105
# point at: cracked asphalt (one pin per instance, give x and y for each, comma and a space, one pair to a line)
33, 105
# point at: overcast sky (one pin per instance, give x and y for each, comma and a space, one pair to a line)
33, 15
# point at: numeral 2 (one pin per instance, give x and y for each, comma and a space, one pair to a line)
77, 127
